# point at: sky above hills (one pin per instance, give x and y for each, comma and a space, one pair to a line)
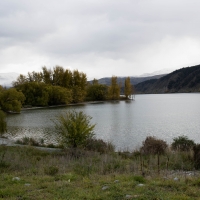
101, 38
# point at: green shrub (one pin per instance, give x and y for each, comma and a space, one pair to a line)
182, 143
73, 129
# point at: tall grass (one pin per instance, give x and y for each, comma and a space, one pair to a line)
82, 174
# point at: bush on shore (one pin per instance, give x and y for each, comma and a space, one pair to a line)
182, 143
99, 145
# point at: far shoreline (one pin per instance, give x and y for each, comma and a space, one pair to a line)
74, 104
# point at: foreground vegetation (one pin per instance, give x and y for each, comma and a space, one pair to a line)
98, 172
29, 173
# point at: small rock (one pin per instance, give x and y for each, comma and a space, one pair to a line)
116, 181
176, 179
128, 196
27, 184
69, 180
105, 187
140, 185
16, 179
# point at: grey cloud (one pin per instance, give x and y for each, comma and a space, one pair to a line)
95, 32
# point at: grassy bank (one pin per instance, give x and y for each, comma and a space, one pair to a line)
29, 173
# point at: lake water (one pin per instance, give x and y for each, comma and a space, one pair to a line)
124, 123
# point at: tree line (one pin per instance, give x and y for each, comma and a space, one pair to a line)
58, 86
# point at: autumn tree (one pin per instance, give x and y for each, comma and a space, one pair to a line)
35, 77
11, 100
36, 86
114, 89
79, 83
58, 75
67, 79
47, 75
36, 93
95, 82
127, 88
96, 91
59, 95
20, 80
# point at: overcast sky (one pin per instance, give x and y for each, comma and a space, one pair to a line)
99, 37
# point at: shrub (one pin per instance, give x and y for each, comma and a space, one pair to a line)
99, 146
74, 129
196, 149
182, 143
28, 141
152, 145
3, 124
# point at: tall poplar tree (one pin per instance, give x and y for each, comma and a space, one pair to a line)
114, 89
127, 87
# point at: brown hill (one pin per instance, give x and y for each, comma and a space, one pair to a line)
180, 81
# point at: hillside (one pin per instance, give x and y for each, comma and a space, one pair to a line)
182, 80
134, 80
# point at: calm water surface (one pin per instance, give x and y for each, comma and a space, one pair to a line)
125, 124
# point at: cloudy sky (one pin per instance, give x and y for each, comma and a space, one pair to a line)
99, 37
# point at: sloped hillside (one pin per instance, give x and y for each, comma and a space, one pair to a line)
134, 80
182, 80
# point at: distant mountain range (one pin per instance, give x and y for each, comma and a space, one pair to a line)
134, 80
180, 81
